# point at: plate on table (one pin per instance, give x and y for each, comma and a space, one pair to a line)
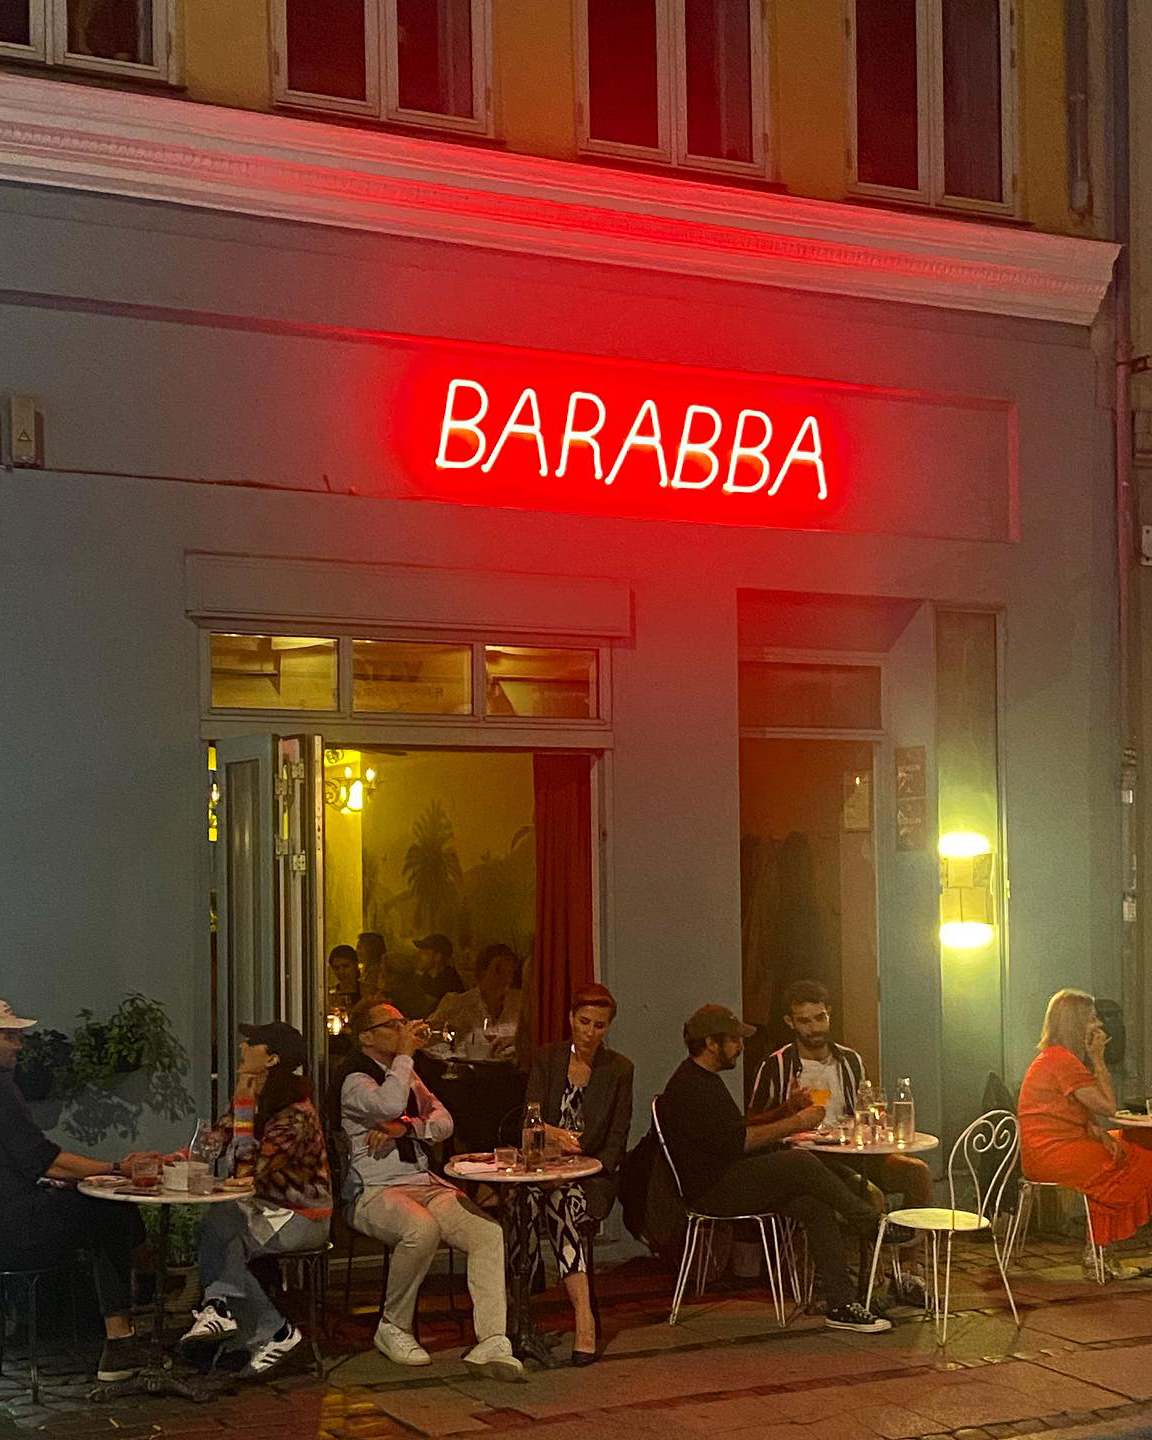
236, 1183
476, 1157
108, 1182
814, 1137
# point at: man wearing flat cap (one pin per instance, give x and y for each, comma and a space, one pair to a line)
727, 1166
46, 1220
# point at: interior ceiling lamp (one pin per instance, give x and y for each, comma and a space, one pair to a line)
346, 787
967, 916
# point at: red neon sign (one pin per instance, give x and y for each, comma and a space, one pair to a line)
540, 430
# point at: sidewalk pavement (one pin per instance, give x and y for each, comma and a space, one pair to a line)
1080, 1366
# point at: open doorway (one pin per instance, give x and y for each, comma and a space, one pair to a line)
808, 886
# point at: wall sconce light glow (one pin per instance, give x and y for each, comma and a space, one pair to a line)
964, 845
355, 799
965, 935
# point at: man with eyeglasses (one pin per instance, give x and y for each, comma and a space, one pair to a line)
389, 1119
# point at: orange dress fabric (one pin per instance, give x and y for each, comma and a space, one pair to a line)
1056, 1144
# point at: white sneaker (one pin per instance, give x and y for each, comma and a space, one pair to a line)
270, 1353
494, 1358
212, 1324
400, 1346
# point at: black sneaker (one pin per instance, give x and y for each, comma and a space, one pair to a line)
853, 1316
121, 1359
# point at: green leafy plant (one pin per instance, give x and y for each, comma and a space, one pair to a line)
138, 1035
44, 1065
183, 1232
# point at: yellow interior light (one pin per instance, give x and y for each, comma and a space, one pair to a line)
211, 757
964, 844
370, 774
965, 935
356, 795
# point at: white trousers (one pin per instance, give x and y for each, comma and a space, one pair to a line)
413, 1221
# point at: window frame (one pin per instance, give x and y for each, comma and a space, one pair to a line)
672, 97
49, 44
930, 116
382, 74
344, 717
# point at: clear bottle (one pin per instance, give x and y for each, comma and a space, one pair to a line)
532, 1137
904, 1113
865, 1097
880, 1117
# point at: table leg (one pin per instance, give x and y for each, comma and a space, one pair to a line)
528, 1340
864, 1262
156, 1376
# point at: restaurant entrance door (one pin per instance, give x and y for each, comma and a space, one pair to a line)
808, 885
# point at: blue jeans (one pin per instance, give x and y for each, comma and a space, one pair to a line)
227, 1244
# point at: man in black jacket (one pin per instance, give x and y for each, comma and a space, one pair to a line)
728, 1167
46, 1223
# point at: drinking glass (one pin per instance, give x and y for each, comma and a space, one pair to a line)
146, 1173
821, 1097
507, 1158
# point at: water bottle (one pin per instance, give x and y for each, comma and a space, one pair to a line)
904, 1113
532, 1137
865, 1098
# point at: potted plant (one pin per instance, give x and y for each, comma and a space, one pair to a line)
137, 1036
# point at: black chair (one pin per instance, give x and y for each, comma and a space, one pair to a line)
30, 1276
312, 1274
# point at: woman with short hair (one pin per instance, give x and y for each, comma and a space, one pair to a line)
1065, 1098
585, 1095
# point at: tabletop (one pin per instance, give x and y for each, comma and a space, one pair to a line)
555, 1172
160, 1196
1131, 1121
807, 1140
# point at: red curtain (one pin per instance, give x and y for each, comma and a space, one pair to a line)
563, 955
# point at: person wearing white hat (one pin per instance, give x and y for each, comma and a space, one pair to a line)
46, 1224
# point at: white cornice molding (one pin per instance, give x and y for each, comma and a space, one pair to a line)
287, 168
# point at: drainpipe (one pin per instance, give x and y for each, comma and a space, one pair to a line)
1117, 151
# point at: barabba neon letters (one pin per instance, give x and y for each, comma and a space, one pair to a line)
740, 444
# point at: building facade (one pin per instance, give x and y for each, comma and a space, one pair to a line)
717, 398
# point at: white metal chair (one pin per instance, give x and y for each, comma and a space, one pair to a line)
1018, 1230
701, 1225
992, 1140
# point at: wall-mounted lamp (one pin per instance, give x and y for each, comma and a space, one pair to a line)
345, 787
967, 913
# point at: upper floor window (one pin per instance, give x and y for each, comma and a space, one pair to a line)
423, 62
932, 89
675, 81
118, 37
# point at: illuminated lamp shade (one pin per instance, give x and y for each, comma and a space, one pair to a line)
967, 917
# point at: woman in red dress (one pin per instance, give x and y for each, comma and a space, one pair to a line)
1065, 1096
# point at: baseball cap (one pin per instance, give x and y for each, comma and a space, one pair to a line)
281, 1038
440, 943
10, 1021
715, 1020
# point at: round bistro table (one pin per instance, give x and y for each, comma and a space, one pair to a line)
528, 1341
1137, 1128
157, 1377
861, 1155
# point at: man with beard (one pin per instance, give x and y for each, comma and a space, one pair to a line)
729, 1167
815, 1062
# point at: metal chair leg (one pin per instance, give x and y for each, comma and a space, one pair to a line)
690, 1237
348, 1270
33, 1339
875, 1261
313, 1322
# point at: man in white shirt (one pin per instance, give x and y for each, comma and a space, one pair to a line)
814, 1066
389, 1119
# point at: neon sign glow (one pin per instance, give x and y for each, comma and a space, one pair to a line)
514, 428
465, 443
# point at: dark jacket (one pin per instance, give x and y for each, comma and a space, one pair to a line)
770, 1088
607, 1112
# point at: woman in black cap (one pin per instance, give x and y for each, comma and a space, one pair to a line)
276, 1140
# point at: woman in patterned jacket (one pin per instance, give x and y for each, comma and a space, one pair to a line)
277, 1142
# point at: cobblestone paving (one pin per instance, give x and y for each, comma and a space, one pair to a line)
1080, 1366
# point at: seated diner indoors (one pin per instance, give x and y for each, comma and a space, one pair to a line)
1065, 1100
487, 1017
727, 1166
46, 1223
389, 1120
275, 1138
434, 968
